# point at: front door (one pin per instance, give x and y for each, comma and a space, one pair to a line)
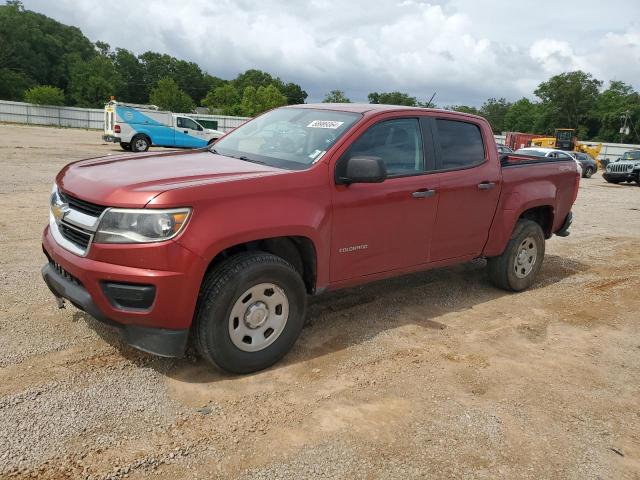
469, 188
385, 226
189, 133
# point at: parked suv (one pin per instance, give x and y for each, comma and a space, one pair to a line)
625, 169
222, 245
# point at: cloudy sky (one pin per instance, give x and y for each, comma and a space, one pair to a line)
465, 50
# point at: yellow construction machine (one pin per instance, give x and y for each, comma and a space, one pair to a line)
565, 139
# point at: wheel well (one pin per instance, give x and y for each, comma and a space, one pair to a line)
298, 251
142, 135
543, 216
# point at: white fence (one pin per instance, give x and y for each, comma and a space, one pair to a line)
19, 112
92, 118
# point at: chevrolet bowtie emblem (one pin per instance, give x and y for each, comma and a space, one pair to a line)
59, 210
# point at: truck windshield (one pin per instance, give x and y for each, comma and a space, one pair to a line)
290, 138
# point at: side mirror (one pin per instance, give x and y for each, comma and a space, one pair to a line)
362, 169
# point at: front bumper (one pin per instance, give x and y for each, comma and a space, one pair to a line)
161, 327
111, 138
621, 176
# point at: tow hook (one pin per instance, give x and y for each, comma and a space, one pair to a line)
60, 302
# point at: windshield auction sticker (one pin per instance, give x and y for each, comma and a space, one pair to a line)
324, 124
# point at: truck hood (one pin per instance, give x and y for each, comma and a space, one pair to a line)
132, 181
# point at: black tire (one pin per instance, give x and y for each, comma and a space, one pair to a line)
223, 288
612, 180
502, 269
140, 143
588, 172
125, 146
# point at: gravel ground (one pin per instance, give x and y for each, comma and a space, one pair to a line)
433, 375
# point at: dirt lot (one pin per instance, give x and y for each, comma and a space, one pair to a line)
434, 375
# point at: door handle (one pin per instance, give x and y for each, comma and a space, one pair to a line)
486, 185
423, 194
186, 131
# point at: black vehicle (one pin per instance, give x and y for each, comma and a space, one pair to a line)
625, 169
589, 165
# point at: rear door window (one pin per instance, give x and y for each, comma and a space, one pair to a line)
460, 144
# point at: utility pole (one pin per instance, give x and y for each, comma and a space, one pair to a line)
624, 129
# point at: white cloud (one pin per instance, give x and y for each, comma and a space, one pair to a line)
463, 49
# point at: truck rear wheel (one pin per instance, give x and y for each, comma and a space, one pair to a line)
250, 312
516, 268
139, 143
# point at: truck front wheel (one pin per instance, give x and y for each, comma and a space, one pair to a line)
250, 312
139, 143
518, 265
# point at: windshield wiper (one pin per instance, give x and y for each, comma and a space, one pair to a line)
252, 160
241, 157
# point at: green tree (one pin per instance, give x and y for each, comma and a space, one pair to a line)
13, 84
336, 96
494, 110
168, 96
569, 98
35, 49
463, 109
253, 78
92, 83
612, 104
132, 87
44, 95
224, 98
294, 93
269, 97
521, 116
393, 98
249, 103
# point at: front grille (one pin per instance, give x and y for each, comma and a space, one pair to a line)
76, 237
622, 168
58, 268
82, 205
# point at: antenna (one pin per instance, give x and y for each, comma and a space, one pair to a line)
428, 104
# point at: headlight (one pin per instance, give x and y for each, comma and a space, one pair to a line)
119, 225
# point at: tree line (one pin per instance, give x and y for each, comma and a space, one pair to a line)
45, 62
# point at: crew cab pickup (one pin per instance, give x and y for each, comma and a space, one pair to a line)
137, 127
222, 245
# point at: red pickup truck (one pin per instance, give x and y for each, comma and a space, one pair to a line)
222, 245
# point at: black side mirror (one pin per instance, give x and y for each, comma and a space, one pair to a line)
362, 169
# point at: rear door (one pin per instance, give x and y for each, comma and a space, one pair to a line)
469, 187
189, 133
385, 226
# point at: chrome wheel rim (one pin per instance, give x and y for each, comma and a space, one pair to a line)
526, 257
258, 317
141, 144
